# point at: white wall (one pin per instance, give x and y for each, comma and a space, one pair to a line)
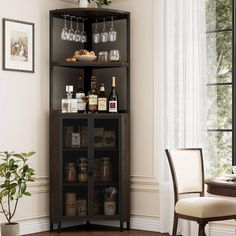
24, 115
24, 103
144, 179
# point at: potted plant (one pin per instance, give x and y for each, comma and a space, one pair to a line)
83, 3
100, 3
110, 200
16, 173
103, 3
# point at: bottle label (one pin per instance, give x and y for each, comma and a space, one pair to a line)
73, 105
93, 99
112, 106
65, 106
81, 105
102, 104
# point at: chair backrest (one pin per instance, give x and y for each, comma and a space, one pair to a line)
187, 170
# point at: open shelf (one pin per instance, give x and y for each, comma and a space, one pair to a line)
91, 64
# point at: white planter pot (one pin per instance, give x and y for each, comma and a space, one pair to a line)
103, 6
83, 3
10, 229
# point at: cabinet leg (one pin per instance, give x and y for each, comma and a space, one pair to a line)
128, 225
121, 226
59, 227
87, 225
51, 226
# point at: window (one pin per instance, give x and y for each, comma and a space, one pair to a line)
219, 16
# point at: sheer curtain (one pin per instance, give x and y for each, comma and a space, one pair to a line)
185, 93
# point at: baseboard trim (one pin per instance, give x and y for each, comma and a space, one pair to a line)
42, 224
34, 226
216, 231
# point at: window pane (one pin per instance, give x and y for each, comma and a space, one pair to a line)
219, 57
219, 153
219, 107
218, 14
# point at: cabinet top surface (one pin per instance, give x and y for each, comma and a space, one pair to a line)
88, 115
90, 12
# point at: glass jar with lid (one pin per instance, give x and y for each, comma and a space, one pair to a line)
82, 169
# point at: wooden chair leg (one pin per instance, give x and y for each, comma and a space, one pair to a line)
175, 225
201, 231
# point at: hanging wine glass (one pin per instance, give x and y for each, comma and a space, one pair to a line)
96, 34
104, 33
83, 36
64, 32
77, 32
71, 30
112, 32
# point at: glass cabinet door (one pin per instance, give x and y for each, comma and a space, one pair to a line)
75, 167
106, 165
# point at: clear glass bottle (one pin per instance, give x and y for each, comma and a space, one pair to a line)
65, 102
73, 101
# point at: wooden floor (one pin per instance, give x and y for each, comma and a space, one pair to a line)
100, 233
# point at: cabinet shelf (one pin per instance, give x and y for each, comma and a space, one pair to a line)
105, 183
76, 184
106, 149
92, 64
83, 149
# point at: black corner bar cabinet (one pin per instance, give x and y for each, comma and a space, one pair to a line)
89, 193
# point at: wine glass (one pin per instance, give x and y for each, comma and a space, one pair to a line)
77, 32
104, 33
83, 36
112, 32
64, 32
71, 34
96, 34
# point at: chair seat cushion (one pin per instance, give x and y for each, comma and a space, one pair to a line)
206, 207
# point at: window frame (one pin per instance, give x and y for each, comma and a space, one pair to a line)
232, 83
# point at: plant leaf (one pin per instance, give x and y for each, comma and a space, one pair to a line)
27, 193
23, 187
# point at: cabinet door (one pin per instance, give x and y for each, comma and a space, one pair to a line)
106, 159
75, 167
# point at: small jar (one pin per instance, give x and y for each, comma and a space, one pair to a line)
103, 56
114, 55
71, 172
82, 170
106, 169
81, 207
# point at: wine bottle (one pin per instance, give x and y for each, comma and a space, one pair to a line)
81, 105
93, 96
102, 99
113, 98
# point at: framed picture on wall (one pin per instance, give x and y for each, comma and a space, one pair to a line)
18, 46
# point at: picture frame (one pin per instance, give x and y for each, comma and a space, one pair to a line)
18, 46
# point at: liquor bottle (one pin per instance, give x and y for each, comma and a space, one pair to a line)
113, 98
81, 105
93, 96
66, 102
102, 99
72, 101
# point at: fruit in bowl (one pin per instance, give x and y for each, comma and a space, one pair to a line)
85, 55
